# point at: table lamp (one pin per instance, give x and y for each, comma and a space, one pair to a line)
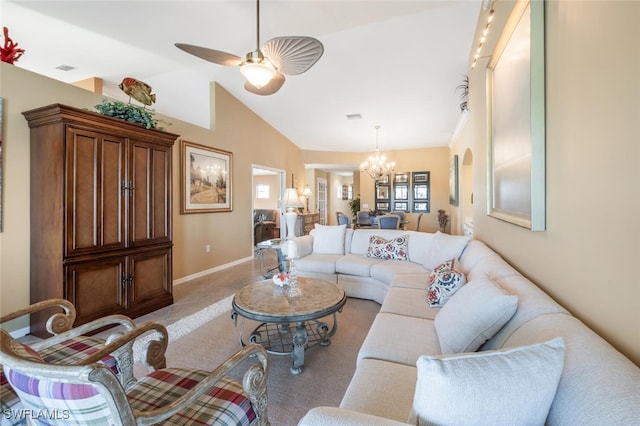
307, 193
291, 201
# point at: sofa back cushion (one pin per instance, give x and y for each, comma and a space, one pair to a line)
442, 248
328, 239
509, 387
473, 315
599, 386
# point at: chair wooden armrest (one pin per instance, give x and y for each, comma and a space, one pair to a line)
57, 323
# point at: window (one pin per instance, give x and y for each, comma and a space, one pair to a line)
262, 191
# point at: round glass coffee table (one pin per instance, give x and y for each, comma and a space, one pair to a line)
289, 325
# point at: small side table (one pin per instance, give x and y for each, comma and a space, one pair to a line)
273, 244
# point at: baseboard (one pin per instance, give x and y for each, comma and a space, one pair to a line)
210, 271
21, 332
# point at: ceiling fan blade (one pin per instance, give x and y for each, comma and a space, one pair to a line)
274, 85
215, 56
293, 55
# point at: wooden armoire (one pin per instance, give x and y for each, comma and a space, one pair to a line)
101, 207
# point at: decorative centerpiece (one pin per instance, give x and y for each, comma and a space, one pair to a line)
281, 279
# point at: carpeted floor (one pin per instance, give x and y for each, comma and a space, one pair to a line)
204, 337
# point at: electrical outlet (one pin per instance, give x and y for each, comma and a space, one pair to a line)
207, 248
365, 206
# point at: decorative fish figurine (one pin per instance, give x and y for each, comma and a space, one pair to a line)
138, 90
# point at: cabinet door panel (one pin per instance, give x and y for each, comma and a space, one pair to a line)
112, 210
151, 284
151, 199
96, 288
94, 174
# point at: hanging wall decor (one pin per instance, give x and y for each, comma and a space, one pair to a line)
206, 179
515, 118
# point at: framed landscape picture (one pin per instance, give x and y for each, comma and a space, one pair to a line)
206, 179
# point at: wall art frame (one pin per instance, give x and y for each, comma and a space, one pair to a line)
516, 120
453, 181
206, 179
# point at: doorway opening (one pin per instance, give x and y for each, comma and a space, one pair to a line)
267, 187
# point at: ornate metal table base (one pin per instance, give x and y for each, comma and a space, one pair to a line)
289, 323
287, 339
274, 244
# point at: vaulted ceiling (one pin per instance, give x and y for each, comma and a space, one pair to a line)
396, 63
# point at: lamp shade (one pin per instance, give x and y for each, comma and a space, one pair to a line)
291, 199
307, 192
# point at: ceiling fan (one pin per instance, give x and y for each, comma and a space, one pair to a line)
264, 68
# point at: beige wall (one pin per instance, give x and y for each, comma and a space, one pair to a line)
586, 258
435, 160
237, 130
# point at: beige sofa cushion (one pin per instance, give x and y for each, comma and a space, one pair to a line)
381, 388
409, 302
355, 264
444, 247
473, 315
399, 338
509, 387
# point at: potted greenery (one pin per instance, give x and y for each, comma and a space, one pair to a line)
128, 112
354, 206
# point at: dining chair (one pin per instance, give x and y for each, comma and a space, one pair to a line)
363, 219
389, 221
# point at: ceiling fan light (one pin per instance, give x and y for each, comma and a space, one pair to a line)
258, 74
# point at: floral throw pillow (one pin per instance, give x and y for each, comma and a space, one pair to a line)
443, 282
381, 248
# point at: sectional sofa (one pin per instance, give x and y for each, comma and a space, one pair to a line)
498, 351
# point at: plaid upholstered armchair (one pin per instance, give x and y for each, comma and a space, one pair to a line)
90, 393
71, 345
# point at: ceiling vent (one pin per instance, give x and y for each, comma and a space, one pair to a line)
354, 116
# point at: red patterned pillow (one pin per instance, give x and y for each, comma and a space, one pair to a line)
381, 248
443, 282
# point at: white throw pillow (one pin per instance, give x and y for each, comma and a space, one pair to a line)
328, 239
444, 247
514, 386
476, 312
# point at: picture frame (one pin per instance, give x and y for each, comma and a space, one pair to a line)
401, 206
382, 192
206, 179
401, 178
383, 206
420, 207
384, 180
420, 177
516, 120
421, 192
453, 181
345, 192
401, 192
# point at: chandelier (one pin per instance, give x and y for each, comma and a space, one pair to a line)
377, 165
